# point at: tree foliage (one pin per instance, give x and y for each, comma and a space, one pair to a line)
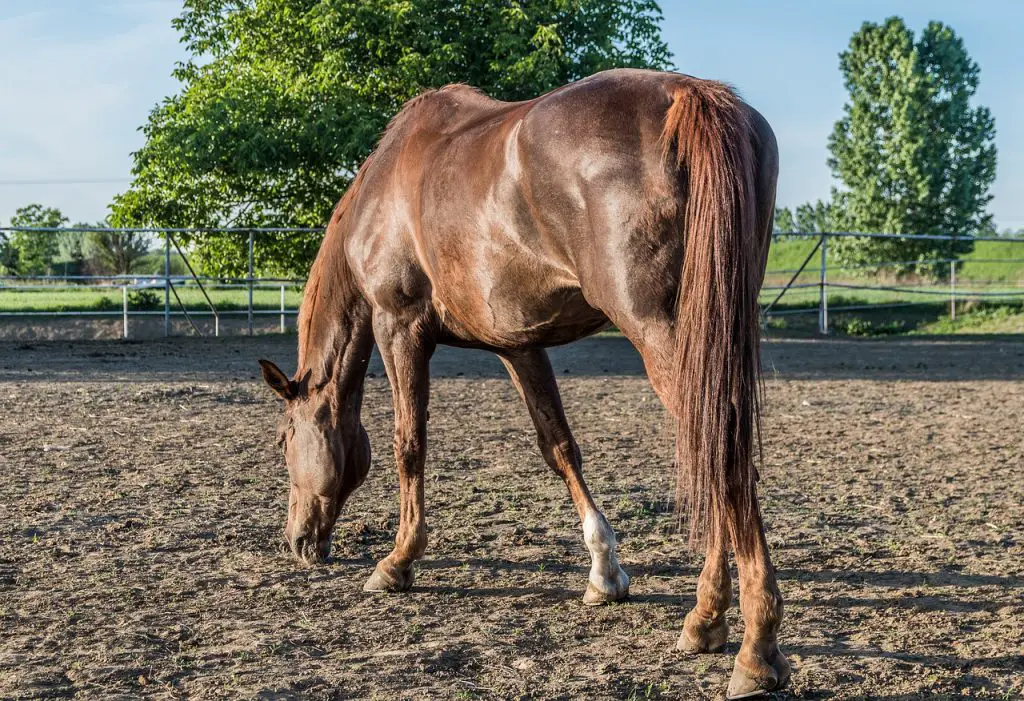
809, 219
912, 153
282, 100
29, 252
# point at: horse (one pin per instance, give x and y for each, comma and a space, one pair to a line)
634, 198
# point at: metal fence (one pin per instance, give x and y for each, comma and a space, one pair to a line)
778, 298
925, 292
170, 284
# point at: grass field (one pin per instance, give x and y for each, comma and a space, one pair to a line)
107, 299
990, 261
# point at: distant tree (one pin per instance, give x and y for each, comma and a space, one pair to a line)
282, 100
70, 251
115, 252
912, 153
820, 217
784, 222
8, 255
33, 253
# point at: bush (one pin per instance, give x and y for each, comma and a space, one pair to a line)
856, 326
106, 304
144, 299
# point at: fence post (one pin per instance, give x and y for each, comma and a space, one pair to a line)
167, 285
952, 289
282, 309
250, 280
124, 309
823, 288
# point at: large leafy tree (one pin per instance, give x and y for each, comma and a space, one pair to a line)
911, 151
283, 99
31, 252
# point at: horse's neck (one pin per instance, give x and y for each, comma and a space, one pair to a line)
335, 338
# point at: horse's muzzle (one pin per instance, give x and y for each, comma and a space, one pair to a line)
309, 550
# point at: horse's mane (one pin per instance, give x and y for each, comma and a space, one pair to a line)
331, 257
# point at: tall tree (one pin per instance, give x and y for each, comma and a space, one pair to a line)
912, 153
283, 99
33, 253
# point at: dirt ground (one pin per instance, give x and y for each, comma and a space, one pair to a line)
142, 501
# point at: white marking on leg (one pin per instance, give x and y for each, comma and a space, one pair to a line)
605, 573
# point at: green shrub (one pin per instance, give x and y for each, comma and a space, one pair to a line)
144, 299
856, 326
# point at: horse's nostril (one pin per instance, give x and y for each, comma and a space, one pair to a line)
307, 549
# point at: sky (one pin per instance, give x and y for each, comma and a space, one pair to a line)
78, 78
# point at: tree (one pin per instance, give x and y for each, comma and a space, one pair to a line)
33, 253
70, 251
282, 100
913, 155
817, 218
112, 251
784, 222
8, 255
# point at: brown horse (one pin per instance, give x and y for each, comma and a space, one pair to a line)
634, 198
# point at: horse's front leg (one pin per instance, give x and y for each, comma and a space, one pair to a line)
406, 352
532, 375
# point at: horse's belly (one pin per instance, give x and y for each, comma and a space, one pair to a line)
520, 315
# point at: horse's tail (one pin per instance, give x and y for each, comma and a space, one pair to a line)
717, 365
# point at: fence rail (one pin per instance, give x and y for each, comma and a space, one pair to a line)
172, 286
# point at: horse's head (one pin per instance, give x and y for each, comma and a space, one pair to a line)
327, 454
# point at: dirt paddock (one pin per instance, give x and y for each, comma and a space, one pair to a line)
142, 500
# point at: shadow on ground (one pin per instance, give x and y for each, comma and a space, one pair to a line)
234, 358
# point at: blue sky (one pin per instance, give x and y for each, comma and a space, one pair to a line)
78, 78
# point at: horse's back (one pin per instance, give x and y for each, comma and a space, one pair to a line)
519, 220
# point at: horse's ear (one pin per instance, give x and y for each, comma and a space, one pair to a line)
278, 381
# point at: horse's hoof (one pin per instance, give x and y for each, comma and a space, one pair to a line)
616, 590
389, 580
751, 682
701, 636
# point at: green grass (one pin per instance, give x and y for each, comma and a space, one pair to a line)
85, 299
1008, 268
1004, 270
788, 254
929, 313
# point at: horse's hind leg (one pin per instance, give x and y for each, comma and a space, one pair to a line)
760, 665
705, 628
406, 351
532, 375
